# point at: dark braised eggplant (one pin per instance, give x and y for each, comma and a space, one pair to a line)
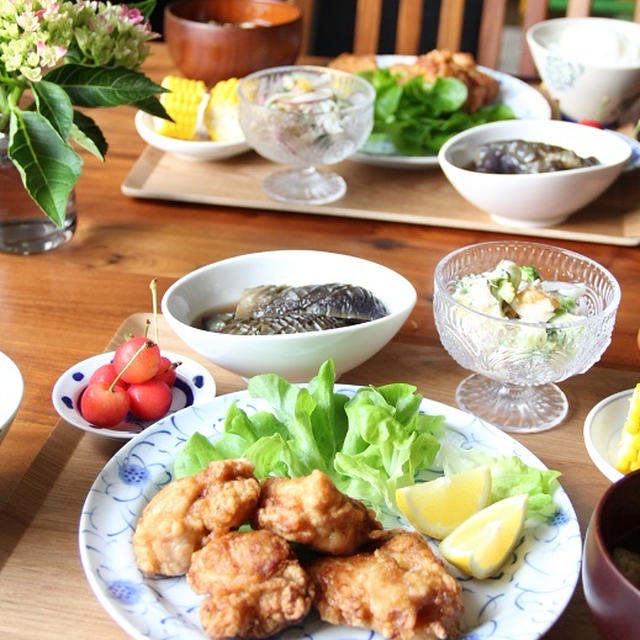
276, 309
334, 299
297, 323
524, 156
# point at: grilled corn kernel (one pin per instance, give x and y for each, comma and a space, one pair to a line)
182, 104
221, 117
629, 449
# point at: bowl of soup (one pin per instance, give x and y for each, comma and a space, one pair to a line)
288, 311
611, 560
213, 40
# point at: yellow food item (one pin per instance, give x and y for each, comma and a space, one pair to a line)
483, 542
182, 103
221, 116
629, 449
437, 507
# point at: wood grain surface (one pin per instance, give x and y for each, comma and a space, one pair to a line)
63, 306
39, 525
418, 196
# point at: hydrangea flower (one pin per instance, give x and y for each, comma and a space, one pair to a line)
59, 51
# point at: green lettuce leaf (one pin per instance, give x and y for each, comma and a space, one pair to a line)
509, 476
369, 445
417, 117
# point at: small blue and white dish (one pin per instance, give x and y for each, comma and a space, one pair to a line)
194, 385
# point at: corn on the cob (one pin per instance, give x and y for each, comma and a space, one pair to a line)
629, 449
182, 103
221, 115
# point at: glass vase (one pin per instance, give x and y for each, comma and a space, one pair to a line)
24, 228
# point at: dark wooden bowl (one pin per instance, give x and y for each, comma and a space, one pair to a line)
614, 601
206, 41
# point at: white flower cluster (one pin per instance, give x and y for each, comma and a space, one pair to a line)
36, 35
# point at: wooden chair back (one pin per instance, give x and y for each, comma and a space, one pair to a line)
450, 26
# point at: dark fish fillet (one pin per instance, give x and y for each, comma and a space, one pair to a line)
337, 300
297, 323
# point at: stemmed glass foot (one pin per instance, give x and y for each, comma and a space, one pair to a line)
513, 408
304, 186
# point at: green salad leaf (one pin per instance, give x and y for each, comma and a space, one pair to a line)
509, 476
369, 444
417, 117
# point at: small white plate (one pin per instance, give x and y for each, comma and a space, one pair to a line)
194, 385
194, 150
527, 104
603, 430
12, 386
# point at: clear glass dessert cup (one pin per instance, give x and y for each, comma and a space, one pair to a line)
308, 134
516, 364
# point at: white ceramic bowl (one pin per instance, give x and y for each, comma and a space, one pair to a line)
194, 150
591, 66
536, 199
295, 356
12, 387
194, 385
603, 431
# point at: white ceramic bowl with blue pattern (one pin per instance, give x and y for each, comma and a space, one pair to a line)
591, 66
522, 601
194, 385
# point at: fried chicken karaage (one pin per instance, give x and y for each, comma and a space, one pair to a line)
401, 590
312, 511
482, 87
182, 514
254, 583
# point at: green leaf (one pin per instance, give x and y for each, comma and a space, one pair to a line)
88, 135
509, 476
49, 167
53, 104
89, 86
152, 106
194, 456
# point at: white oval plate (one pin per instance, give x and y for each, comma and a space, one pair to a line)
194, 385
522, 602
194, 150
603, 430
526, 102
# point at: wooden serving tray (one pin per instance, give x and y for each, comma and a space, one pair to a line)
418, 196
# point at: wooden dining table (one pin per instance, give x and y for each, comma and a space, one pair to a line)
80, 299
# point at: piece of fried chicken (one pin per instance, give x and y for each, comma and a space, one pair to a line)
230, 495
255, 585
401, 590
182, 514
312, 511
440, 63
482, 87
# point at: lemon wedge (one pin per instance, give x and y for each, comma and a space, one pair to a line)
437, 507
482, 543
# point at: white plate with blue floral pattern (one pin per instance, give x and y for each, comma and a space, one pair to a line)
527, 104
523, 601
